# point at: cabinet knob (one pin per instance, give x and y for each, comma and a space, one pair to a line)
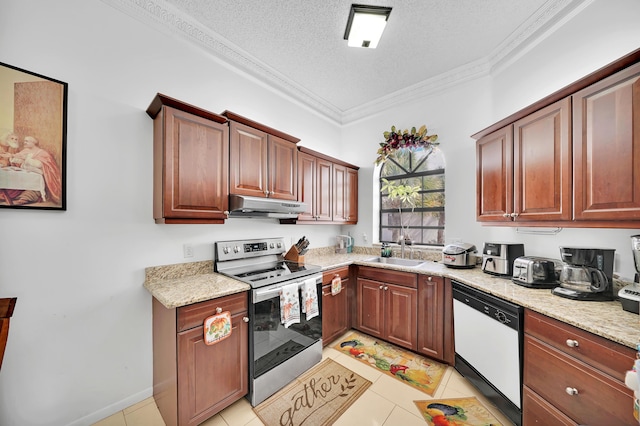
337, 275
429, 278
266, 192
381, 287
506, 215
245, 319
572, 343
218, 310
571, 391
386, 288
226, 213
514, 215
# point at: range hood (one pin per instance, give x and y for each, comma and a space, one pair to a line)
245, 206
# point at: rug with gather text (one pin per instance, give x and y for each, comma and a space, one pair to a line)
318, 397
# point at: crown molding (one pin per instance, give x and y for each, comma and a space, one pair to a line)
166, 18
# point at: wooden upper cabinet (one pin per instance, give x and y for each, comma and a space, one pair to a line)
263, 161
191, 167
283, 167
345, 194
329, 188
494, 176
606, 149
314, 187
542, 164
248, 158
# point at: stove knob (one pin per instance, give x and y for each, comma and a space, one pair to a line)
225, 250
236, 249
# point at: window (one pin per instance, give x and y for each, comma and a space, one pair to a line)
424, 223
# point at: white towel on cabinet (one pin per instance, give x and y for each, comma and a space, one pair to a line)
310, 298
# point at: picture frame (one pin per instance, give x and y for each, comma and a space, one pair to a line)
33, 140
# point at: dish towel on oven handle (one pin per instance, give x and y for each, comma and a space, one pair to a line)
289, 305
310, 298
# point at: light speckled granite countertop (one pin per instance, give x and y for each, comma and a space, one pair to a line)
183, 284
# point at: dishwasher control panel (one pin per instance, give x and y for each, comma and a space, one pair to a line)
500, 310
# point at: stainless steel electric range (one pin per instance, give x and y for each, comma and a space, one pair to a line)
277, 354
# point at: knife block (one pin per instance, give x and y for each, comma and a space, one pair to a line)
294, 256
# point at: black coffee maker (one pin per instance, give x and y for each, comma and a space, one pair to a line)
587, 274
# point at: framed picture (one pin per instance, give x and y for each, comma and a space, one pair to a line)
33, 140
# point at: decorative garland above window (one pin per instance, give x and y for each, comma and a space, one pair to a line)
396, 139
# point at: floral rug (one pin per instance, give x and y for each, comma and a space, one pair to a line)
420, 372
456, 412
316, 398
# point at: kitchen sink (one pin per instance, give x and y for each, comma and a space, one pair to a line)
396, 261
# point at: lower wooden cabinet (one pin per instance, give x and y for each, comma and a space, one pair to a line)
573, 377
193, 381
335, 308
435, 322
387, 305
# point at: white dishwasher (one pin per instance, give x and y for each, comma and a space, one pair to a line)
488, 346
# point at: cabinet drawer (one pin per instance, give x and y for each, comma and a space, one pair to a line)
598, 399
388, 276
605, 355
327, 276
537, 411
194, 315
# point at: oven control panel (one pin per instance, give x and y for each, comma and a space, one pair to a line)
243, 249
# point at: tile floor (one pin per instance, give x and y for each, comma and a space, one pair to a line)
387, 402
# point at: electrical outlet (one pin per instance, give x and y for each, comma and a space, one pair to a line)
187, 250
364, 237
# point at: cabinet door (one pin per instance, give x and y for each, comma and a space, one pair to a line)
307, 185
606, 148
370, 310
324, 190
335, 313
340, 200
400, 314
431, 316
351, 196
494, 176
194, 157
542, 164
211, 377
283, 167
248, 161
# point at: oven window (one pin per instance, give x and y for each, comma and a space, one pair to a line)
272, 342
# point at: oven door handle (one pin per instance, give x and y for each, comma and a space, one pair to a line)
261, 295
269, 293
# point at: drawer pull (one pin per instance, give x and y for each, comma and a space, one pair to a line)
572, 343
218, 310
571, 391
245, 319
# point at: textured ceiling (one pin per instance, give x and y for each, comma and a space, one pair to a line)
298, 45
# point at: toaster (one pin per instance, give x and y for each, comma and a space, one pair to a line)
536, 272
459, 255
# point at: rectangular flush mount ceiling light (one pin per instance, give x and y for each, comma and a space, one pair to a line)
365, 25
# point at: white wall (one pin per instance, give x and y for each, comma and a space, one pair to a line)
79, 346
80, 342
